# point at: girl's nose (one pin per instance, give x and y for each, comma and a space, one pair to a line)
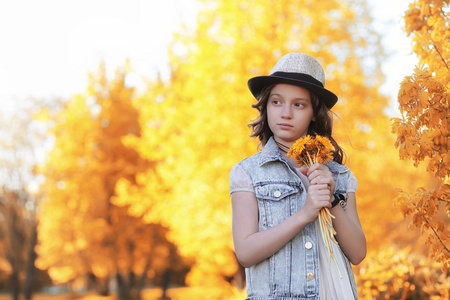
286, 112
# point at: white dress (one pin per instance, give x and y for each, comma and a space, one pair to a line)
334, 284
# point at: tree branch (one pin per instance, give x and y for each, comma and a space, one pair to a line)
443, 200
435, 233
440, 152
445, 63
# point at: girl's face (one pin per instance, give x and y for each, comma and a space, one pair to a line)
289, 113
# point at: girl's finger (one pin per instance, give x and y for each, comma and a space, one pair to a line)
314, 167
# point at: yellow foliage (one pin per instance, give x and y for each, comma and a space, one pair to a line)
82, 230
423, 131
61, 274
394, 273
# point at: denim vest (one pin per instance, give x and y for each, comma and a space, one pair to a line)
293, 271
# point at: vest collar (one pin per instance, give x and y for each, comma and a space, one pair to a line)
270, 152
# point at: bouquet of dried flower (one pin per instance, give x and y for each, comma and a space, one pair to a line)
307, 151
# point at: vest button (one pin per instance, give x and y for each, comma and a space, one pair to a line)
277, 194
308, 245
310, 276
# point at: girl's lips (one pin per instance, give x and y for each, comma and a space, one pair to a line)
285, 126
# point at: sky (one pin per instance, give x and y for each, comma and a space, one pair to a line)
49, 46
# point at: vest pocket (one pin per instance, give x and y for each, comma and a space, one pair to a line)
275, 203
274, 191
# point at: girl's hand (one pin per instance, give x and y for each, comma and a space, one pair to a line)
319, 196
319, 173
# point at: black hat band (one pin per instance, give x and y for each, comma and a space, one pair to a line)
298, 76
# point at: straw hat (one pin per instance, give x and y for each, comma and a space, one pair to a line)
297, 69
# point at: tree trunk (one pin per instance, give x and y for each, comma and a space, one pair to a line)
103, 286
127, 289
123, 289
166, 282
134, 290
142, 279
15, 288
31, 269
14, 248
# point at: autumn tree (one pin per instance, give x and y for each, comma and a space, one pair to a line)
423, 130
81, 231
196, 123
20, 140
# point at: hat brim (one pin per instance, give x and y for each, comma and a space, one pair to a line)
257, 84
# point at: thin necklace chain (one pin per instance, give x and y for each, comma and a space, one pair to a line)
282, 147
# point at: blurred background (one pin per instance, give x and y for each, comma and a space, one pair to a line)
120, 122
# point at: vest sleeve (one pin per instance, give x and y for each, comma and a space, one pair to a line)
239, 181
352, 184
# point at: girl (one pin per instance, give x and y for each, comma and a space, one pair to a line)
276, 203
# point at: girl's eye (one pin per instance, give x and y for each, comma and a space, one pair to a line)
299, 105
276, 102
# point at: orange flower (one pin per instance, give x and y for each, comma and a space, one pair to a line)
309, 150
324, 149
300, 149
